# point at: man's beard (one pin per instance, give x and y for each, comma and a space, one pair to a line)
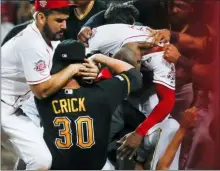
52, 36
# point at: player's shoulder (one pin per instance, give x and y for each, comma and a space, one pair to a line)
114, 82
29, 38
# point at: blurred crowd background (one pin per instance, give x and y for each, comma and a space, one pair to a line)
15, 12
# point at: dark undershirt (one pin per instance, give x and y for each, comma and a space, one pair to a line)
74, 24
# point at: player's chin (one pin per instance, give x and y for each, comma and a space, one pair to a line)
59, 36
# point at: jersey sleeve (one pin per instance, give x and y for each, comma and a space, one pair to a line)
96, 20
36, 64
163, 71
120, 86
93, 42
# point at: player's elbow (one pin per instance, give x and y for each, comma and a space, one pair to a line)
40, 95
39, 91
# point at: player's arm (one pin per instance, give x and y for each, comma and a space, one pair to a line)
116, 89
96, 20
116, 65
168, 156
184, 40
164, 79
189, 42
52, 85
162, 109
187, 122
173, 55
86, 30
37, 72
127, 79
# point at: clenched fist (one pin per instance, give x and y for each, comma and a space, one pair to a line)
171, 53
84, 35
161, 36
189, 118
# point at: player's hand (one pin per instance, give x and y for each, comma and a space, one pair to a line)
171, 53
160, 36
189, 118
84, 35
76, 68
90, 70
96, 58
130, 143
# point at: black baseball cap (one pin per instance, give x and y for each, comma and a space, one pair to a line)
67, 52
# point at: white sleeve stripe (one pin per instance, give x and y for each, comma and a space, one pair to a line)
131, 38
165, 84
39, 81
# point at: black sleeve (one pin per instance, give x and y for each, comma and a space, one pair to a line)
184, 62
117, 88
14, 32
96, 20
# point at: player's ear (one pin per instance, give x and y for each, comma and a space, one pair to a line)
41, 18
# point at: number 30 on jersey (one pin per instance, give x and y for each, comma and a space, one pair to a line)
83, 124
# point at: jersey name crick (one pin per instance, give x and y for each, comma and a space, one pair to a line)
69, 105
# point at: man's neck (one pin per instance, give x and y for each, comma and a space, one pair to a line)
180, 27
73, 84
84, 10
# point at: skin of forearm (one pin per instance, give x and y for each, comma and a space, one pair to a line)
116, 65
193, 43
45, 89
167, 158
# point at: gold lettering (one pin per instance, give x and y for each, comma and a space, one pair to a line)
69, 105
81, 104
54, 107
63, 106
72, 103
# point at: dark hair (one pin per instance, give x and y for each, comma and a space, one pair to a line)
121, 13
48, 12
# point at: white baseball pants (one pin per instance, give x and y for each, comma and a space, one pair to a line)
26, 138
